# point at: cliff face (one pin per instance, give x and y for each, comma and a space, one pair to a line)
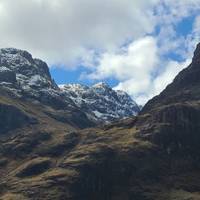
154, 156
174, 115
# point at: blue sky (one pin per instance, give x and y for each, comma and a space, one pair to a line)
69, 76
138, 46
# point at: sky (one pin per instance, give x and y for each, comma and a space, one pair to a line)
137, 46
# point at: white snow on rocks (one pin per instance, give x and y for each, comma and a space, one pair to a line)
101, 101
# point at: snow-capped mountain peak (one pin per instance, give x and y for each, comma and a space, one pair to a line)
101, 85
101, 102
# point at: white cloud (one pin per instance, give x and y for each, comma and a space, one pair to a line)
61, 31
144, 89
168, 14
136, 61
133, 66
171, 70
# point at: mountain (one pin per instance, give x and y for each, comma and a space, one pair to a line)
101, 102
29, 78
151, 156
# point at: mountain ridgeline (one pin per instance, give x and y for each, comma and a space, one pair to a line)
28, 78
49, 152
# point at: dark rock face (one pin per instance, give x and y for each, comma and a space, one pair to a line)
174, 115
175, 128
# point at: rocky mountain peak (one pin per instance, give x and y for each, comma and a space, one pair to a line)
26, 77
22, 63
14, 51
101, 102
101, 85
20, 69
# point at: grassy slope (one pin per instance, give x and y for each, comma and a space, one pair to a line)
53, 160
